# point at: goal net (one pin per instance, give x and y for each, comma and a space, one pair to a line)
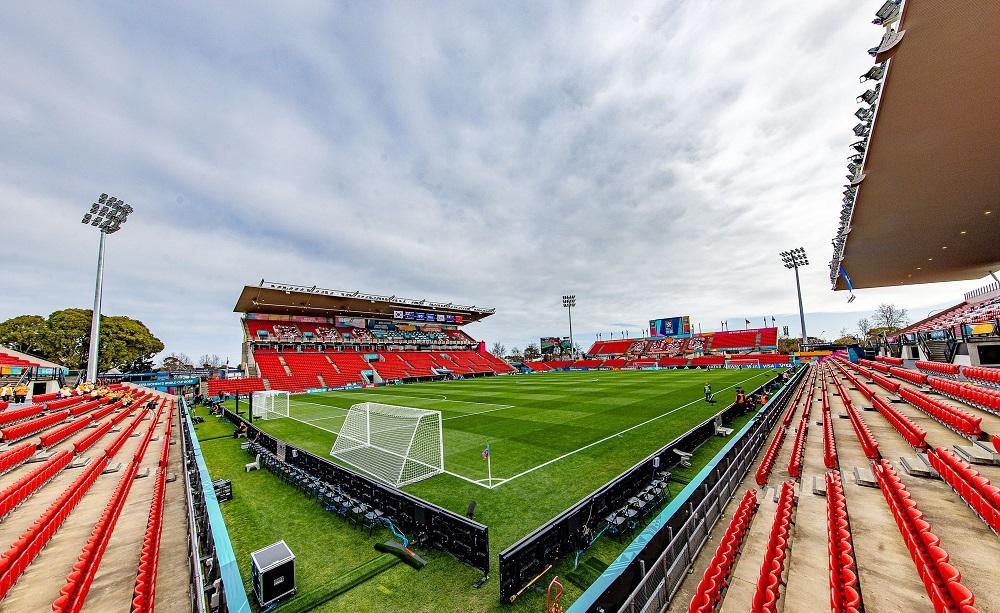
397, 445
271, 404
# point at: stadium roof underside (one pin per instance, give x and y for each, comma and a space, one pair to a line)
928, 206
284, 299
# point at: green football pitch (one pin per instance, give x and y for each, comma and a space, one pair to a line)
554, 438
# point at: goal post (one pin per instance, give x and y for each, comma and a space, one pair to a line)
397, 445
270, 404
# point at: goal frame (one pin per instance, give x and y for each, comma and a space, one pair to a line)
265, 402
365, 444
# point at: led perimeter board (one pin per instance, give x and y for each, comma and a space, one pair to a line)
671, 326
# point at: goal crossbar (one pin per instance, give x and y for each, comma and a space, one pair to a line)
395, 444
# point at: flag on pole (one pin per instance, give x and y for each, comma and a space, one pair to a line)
486, 452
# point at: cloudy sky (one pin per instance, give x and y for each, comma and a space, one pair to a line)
650, 157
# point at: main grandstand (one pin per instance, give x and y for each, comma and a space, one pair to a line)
304, 338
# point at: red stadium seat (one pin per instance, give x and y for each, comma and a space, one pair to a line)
925, 548
844, 591
766, 596
716, 578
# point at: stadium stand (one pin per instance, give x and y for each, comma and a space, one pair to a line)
24, 588
962, 313
610, 348
242, 386
740, 339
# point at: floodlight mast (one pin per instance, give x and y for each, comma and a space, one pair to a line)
107, 215
569, 302
793, 259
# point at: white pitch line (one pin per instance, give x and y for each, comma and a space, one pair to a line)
438, 398
608, 438
500, 407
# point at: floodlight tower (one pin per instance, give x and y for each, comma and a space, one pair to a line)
107, 215
569, 302
793, 259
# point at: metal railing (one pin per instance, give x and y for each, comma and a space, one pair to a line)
216, 584
650, 571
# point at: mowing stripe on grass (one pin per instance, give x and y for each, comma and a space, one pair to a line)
608, 438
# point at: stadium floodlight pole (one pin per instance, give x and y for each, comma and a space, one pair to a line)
569, 302
793, 259
107, 215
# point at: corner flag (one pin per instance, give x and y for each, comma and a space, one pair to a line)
486, 452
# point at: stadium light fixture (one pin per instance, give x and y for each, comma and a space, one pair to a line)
569, 301
874, 73
793, 259
887, 13
107, 215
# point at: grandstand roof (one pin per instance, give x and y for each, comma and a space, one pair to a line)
285, 299
930, 172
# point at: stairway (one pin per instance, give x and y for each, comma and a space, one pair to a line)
938, 351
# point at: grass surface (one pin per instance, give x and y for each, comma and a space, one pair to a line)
556, 437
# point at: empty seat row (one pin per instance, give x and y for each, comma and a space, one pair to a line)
716, 578
875, 365
12, 416
886, 384
19, 491
914, 434
909, 375
765, 598
74, 591
845, 594
938, 367
25, 429
65, 403
975, 489
57, 435
767, 463
889, 360
35, 537
975, 395
15, 456
941, 580
989, 377
829, 442
538, 366
953, 417
798, 447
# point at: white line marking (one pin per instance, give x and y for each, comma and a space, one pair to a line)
500, 407
607, 438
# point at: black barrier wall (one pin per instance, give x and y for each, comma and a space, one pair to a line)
672, 536
425, 523
573, 529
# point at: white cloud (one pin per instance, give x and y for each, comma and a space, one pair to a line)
651, 158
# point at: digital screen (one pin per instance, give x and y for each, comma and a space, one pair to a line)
549, 345
671, 326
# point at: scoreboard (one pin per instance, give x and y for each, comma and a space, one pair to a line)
671, 326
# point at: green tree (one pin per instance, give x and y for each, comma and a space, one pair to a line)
64, 338
26, 333
531, 352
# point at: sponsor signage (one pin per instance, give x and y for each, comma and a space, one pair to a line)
165, 383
